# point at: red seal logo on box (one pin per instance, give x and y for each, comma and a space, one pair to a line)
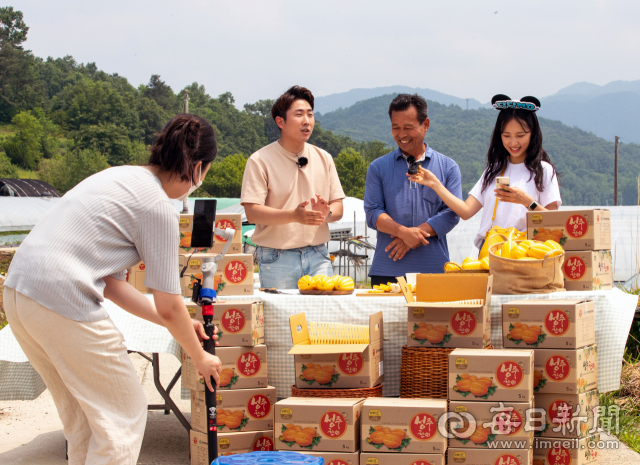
423, 426
463, 323
248, 364
350, 364
235, 272
233, 320
558, 456
509, 374
337, 462
507, 459
259, 406
141, 266
556, 322
575, 268
224, 224
560, 412
576, 226
333, 425
263, 443
557, 368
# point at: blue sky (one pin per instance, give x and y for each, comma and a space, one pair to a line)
256, 49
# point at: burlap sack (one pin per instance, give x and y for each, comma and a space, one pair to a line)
525, 276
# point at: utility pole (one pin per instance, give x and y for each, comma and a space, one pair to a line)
467, 103
185, 202
615, 177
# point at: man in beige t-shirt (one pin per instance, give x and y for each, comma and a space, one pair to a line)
290, 191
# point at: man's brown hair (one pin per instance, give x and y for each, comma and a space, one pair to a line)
284, 102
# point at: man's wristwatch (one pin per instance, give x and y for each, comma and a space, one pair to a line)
328, 216
533, 206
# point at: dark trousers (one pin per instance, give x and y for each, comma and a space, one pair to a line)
377, 280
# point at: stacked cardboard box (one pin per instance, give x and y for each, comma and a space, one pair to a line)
491, 397
245, 402
562, 335
585, 236
402, 431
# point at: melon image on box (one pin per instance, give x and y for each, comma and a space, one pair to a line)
136, 278
242, 368
240, 323
565, 371
403, 425
491, 375
490, 456
223, 221
238, 410
234, 275
587, 229
494, 421
453, 310
229, 444
316, 424
588, 270
561, 451
567, 415
336, 458
378, 458
334, 356
548, 324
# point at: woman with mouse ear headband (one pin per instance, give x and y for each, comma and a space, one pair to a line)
515, 152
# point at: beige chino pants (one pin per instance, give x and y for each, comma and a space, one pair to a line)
91, 379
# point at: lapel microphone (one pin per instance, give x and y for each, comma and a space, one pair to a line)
302, 162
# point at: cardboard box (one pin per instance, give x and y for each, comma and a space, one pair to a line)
588, 270
223, 221
256, 406
494, 422
240, 323
403, 425
567, 415
136, 278
565, 371
435, 322
500, 375
242, 368
490, 457
229, 444
348, 365
234, 275
558, 324
560, 451
337, 458
316, 424
587, 229
375, 458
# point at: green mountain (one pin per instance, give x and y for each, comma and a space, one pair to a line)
585, 161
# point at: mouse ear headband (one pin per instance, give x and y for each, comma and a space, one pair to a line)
504, 102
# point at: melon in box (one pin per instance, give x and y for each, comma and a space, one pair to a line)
336, 458
316, 424
403, 425
229, 444
494, 422
491, 375
234, 275
377, 458
242, 368
223, 221
337, 365
565, 371
452, 311
588, 270
567, 415
548, 324
240, 323
562, 451
588, 229
238, 410
489, 457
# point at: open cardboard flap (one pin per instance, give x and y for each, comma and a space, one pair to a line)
452, 287
302, 342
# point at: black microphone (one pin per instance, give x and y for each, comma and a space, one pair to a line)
302, 161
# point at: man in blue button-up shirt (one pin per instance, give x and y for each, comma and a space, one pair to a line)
411, 220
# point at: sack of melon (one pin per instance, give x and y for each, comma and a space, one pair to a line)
526, 267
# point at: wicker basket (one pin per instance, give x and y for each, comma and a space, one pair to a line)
375, 391
424, 372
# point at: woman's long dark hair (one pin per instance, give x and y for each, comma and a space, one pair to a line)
498, 155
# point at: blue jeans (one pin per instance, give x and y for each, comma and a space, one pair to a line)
283, 268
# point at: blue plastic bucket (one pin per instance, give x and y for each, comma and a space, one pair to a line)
258, 458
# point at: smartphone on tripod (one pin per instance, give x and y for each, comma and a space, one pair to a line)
204, 217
